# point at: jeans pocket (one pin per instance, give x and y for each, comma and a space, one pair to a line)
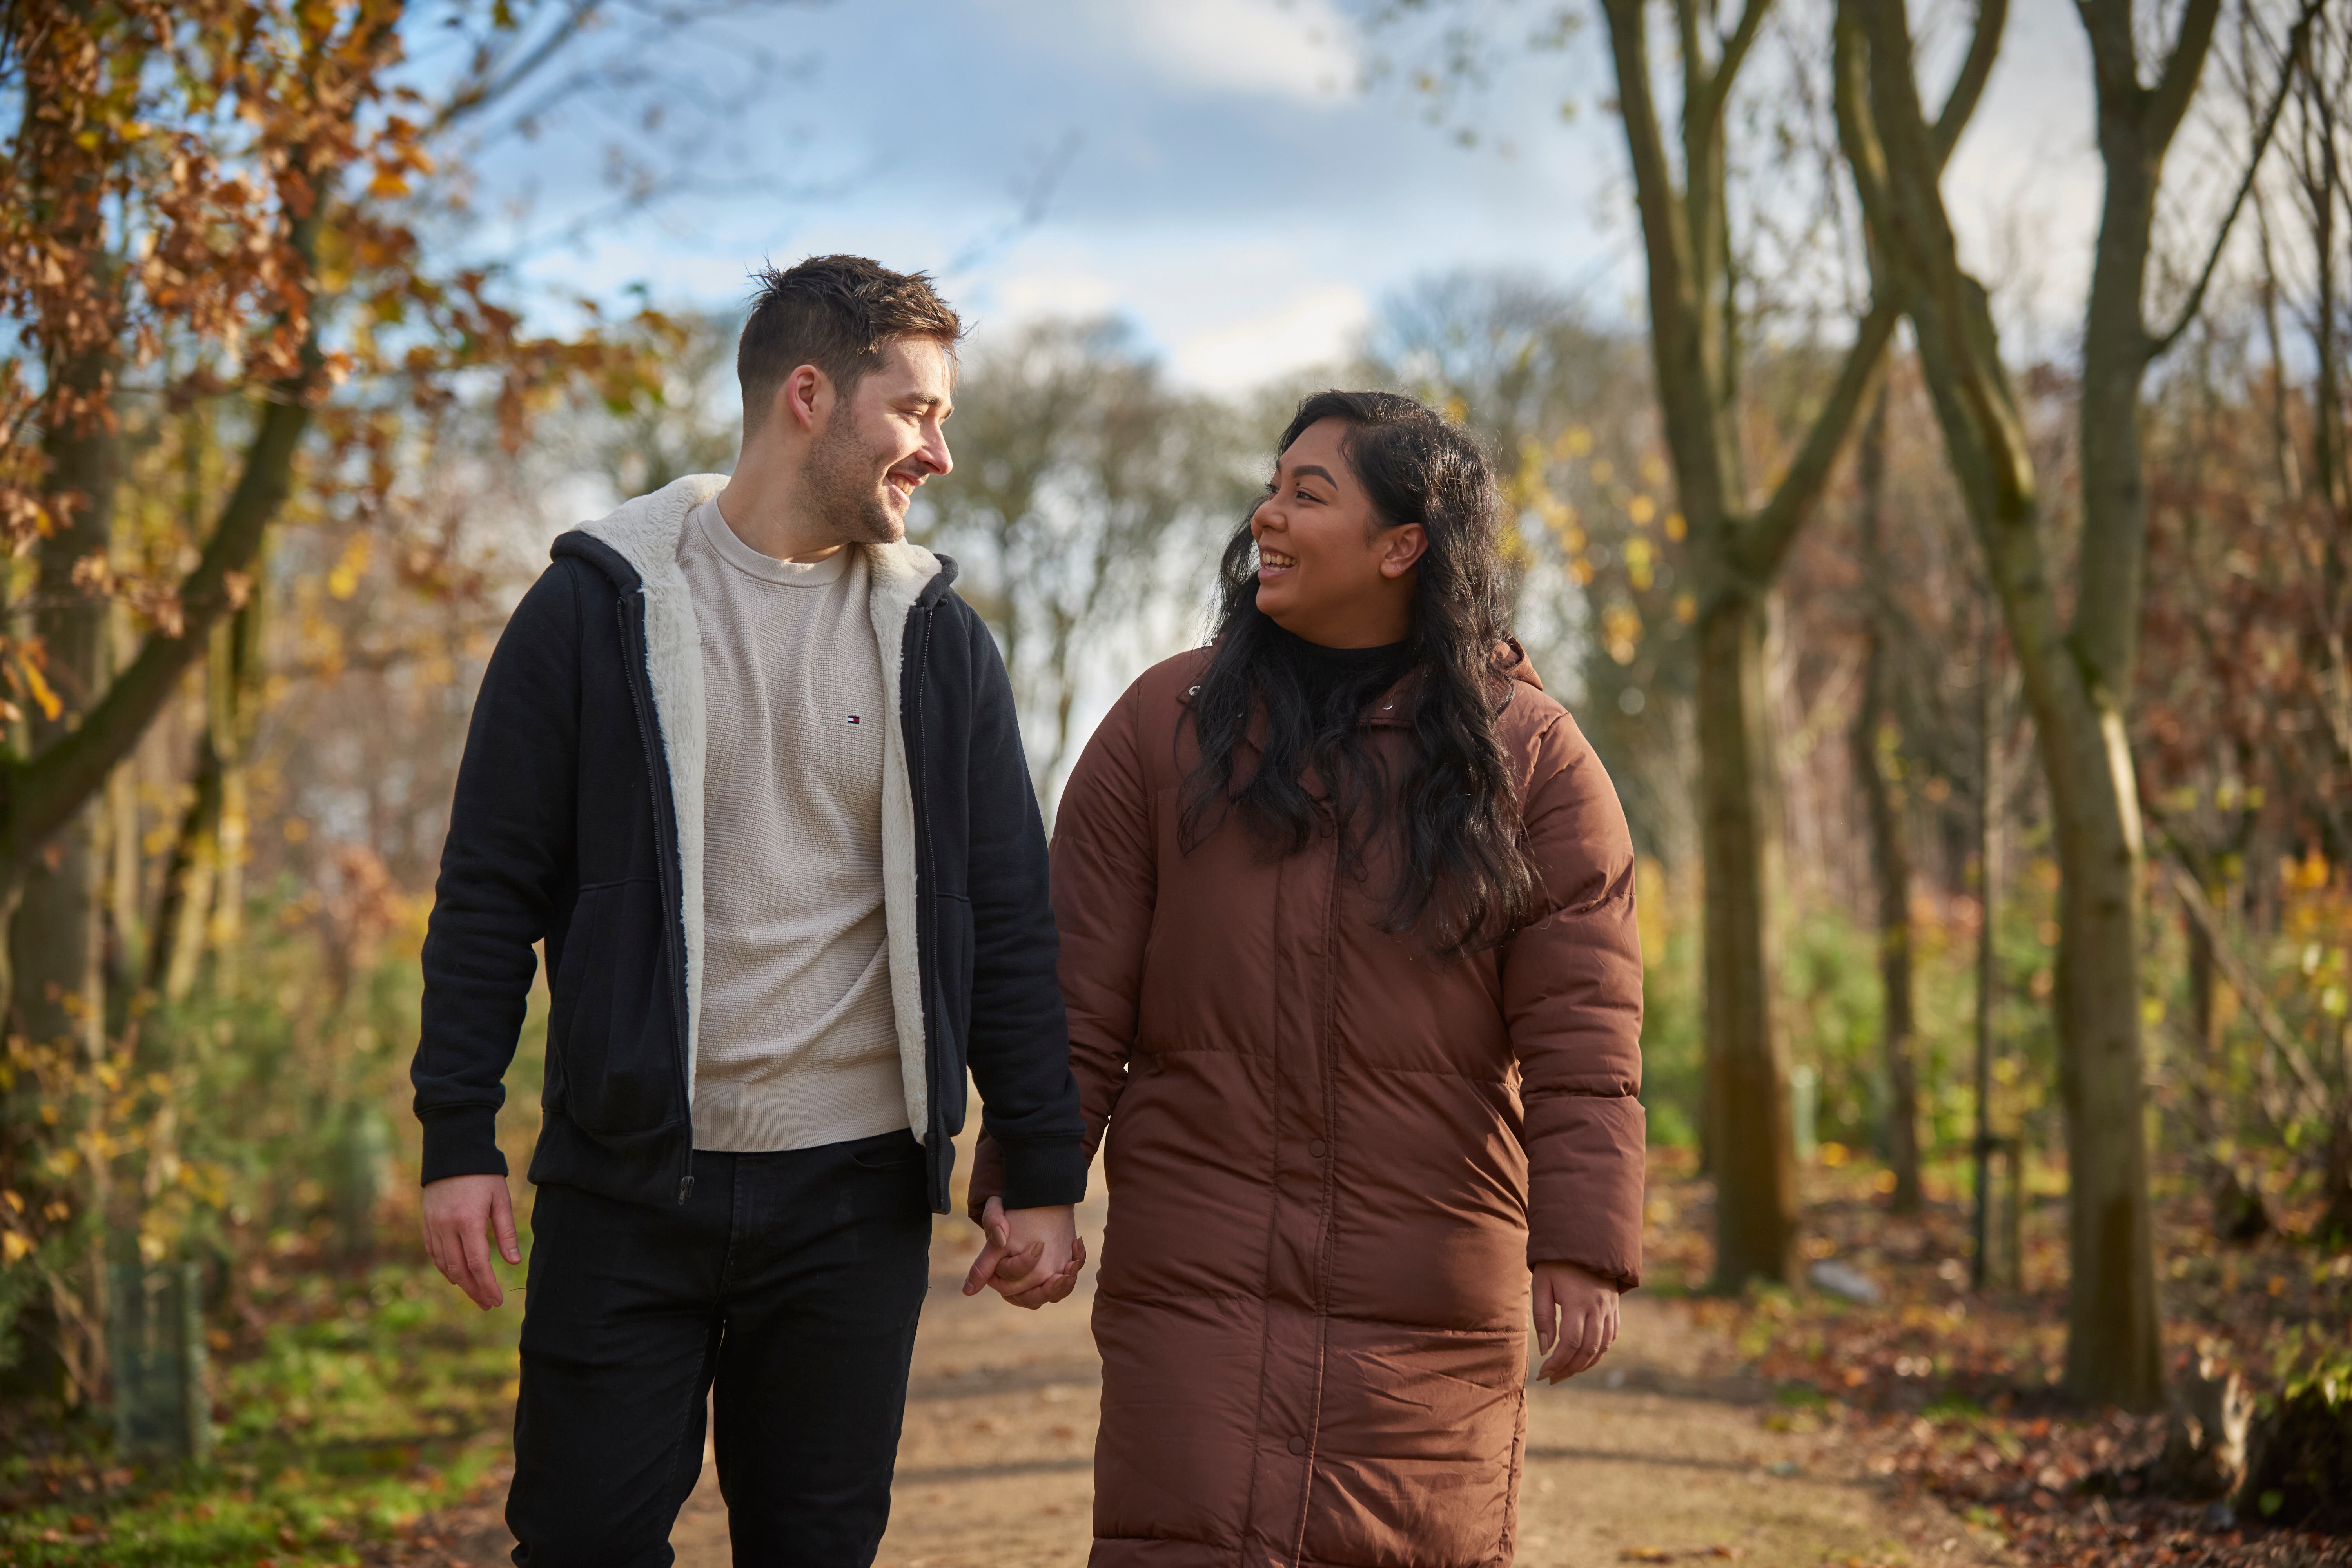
887, 1151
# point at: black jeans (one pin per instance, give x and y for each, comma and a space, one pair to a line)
793, 1281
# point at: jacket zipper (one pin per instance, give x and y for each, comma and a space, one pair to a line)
927, 941
666, 855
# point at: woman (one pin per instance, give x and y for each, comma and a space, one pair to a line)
1347, 942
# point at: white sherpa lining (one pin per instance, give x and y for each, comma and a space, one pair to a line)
644, 532
902, 571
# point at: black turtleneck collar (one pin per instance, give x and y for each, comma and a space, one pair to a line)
1361, 672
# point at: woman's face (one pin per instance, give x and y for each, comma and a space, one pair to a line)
1328, 569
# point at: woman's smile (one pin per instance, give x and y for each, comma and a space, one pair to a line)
1273, 563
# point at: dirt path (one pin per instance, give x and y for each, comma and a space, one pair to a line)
1648, 1459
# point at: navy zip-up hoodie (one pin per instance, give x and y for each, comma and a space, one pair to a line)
578, 822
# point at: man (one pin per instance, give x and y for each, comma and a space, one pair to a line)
751, 771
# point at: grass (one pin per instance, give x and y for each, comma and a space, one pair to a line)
347, 1406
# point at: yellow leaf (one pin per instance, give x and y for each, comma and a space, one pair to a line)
13, 1246
51, 706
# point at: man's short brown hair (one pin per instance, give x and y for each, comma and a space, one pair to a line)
837, 313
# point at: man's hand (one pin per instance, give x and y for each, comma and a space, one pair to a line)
460, 1212
1032, 1256
1576, 1319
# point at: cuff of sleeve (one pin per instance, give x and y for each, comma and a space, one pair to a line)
987, 1176
462, 1141
1614, 1273
1041, 1175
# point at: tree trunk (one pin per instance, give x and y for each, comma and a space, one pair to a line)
122, 930
1750, 1144
55, 942
1737, 550
1876, 740
2115, 1349
2075, 677
2113, 1333
187, 901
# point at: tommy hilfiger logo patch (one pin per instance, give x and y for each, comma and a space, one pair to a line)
855, 720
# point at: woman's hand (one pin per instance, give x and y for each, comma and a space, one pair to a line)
1032, 1257
1576, 1319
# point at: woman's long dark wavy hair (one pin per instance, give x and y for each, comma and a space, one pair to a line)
1461, 869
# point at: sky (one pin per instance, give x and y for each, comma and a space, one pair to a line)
1219, 171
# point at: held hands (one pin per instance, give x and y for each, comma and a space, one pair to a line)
459, 1213
1032, 1256
1576, 1319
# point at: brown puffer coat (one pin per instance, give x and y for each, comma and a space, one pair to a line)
1333, 1156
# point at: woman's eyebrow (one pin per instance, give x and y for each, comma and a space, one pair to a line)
1320, 472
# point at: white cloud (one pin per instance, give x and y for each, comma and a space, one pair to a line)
1288, 48
1222, 311
1057, 291
1301, 50
1313, 326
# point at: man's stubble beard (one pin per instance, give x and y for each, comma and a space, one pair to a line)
842, 484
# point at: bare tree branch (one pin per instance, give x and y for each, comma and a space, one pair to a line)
1717, 89
1960, 104
2168, 101
2297, 41
1777, 525
489, 82
1765, 541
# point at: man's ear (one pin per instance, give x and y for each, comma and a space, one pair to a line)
1401, 549
804, 400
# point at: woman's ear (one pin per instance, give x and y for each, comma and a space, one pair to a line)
1401, 549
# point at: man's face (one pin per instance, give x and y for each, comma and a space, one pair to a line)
883, 440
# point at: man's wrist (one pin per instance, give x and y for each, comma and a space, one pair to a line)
460, 1140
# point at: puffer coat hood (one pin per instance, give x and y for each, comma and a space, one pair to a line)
1332, 1155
